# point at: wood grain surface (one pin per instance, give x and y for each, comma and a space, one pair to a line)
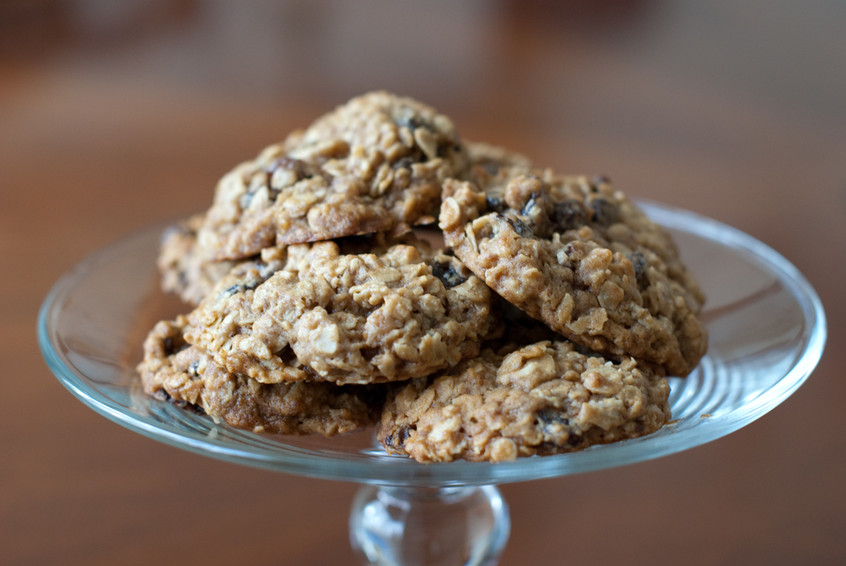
115, 115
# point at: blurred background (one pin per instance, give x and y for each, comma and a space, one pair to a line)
115, 115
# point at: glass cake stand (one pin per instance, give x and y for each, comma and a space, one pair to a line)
767, 332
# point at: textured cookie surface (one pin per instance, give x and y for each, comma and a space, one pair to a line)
183, 374
578, 255
541, 399
374, 164
349, 317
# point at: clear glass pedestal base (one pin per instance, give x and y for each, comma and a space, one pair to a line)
419, 526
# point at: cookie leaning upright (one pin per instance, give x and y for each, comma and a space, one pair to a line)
374, 164
580, 256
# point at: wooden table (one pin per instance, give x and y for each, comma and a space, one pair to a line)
117, 115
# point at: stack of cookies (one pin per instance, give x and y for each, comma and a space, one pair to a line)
375, 270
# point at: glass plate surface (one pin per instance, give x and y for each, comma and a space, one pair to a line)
767, 332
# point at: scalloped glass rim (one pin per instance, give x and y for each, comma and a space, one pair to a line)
767, 332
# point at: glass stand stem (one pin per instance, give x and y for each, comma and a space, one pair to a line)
416, 526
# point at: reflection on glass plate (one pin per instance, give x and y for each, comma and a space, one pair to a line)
766, 324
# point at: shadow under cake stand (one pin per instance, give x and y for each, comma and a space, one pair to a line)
767, 332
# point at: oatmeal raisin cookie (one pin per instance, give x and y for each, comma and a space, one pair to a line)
392, 315
175, 371
540, 399
374, 164
580, 256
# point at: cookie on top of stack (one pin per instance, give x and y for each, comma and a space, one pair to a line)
377, 270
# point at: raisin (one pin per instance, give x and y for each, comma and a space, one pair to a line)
569, 214
413, 122
531, 205
396, 439
241, 287
639, 263
495, 203
604, 213
232, 290
518, 226
552, 419
447, 274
